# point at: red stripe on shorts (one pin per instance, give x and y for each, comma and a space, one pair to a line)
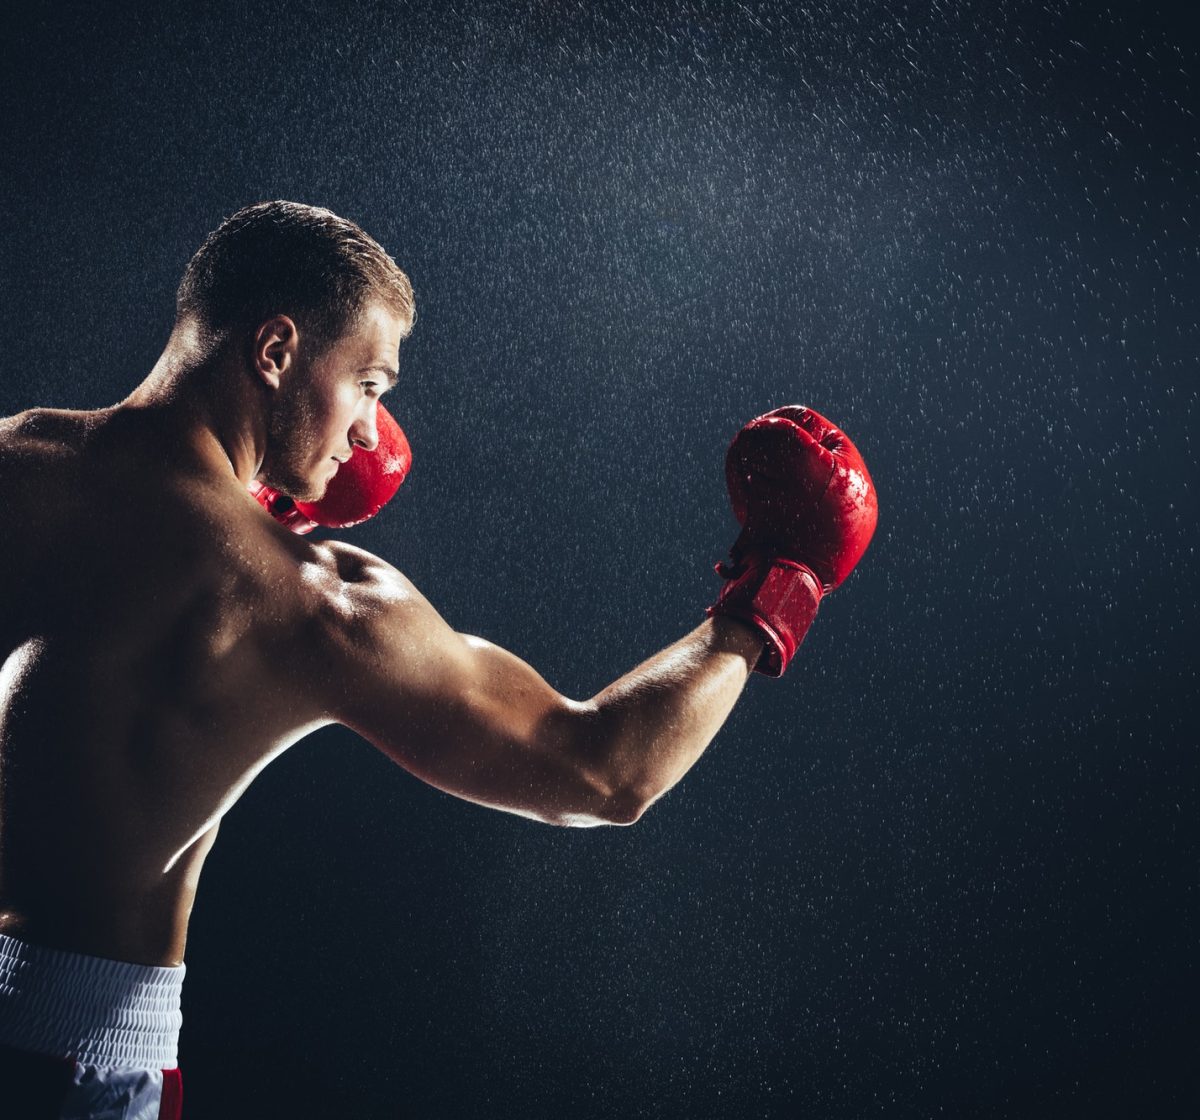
171, 1106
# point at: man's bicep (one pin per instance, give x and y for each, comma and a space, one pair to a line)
468, 717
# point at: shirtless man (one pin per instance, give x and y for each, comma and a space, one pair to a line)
162, 638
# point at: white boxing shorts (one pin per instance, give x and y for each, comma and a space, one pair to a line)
84, 1038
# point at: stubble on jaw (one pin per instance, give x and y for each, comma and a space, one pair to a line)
292, 430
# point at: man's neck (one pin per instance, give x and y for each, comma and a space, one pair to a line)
207, 399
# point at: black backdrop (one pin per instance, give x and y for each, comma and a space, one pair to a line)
948, 866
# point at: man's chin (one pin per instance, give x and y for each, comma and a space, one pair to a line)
296, 488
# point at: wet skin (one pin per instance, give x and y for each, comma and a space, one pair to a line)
162, 639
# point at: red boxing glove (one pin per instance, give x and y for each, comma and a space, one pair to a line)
807, 507
363, 485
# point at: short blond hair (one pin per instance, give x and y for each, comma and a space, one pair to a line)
286, 258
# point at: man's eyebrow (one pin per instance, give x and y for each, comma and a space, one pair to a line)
393, 375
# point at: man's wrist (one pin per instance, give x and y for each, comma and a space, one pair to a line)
738, 635
777, 596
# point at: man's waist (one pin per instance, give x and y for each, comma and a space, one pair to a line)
98, 1011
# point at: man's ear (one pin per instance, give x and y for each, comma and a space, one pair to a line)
274, 349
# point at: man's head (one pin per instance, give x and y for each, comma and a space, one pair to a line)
318, 309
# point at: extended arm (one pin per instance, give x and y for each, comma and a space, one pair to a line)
476, 721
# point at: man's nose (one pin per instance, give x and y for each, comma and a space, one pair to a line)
364, 432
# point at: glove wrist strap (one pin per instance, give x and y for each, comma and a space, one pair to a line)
281, 507
780, 598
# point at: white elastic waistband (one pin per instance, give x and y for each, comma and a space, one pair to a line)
99, 1012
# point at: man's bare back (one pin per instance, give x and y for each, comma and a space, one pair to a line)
157, 642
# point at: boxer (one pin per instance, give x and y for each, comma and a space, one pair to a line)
168, 628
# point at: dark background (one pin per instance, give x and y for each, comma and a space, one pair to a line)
948, 865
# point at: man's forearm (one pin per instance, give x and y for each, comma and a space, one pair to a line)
645, 731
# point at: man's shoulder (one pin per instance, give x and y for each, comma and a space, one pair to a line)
43, 460
356, 583
379, 640
360, 602
45, 431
